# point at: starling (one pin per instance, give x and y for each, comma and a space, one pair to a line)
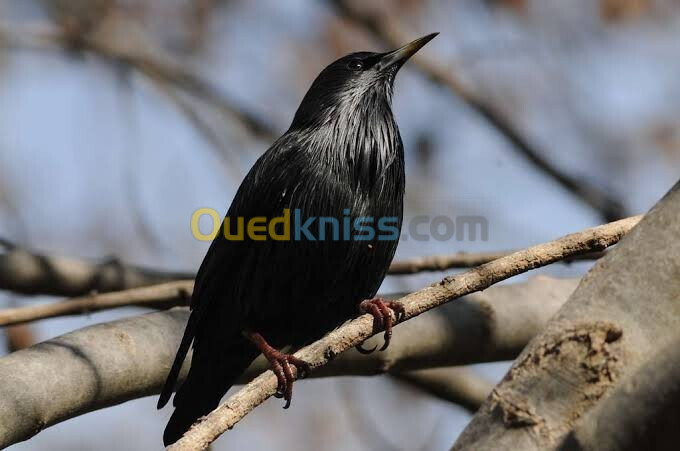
340, 164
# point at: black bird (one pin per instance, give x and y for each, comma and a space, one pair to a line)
342, 158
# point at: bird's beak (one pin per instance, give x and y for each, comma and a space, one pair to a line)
398, 57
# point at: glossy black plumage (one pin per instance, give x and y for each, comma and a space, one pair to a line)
341, 157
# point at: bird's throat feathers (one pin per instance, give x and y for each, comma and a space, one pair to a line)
353, 132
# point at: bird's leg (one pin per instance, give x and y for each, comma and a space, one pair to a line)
382, 309
280, 364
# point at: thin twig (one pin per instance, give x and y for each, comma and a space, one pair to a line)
167, 295
59, 275
155, 67
464, 260
393, 34
356, 331
23, 271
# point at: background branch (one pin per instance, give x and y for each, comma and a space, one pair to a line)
464, 260
458, 385
25, 272
389, 31
156, 64
163, 296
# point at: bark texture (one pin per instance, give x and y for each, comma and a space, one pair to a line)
643, 412
623, 311
85, 370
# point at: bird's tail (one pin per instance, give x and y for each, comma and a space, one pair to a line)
187, 338
208, 380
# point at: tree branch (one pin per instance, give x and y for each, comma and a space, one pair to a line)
24, 272
623, 311
643, 412
165, 295
458, 385
391, 32
154, 67
88, 369
111, 361
465, 260
356, 331
28, 273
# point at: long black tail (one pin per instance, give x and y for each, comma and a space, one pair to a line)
187, 338
210, 376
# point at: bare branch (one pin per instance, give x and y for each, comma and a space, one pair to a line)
392, 33
165, 295
458, 385
85, 370
353, 333
147, 63
24, 272
19, 337
625, 310
492, 325
488, 326
464, 260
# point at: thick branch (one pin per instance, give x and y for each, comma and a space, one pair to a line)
113, 356
85, 370
29, 273
356, 331
643, 412
623, 312
458, 385
390, 32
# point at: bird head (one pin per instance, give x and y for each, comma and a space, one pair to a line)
354, 82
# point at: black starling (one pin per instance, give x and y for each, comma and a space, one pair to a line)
341, 162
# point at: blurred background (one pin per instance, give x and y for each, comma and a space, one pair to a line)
120, 118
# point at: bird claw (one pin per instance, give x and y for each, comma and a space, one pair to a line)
365, 351
382, 309
280, 364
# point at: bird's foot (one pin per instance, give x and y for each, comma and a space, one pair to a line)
382, 309
280, 363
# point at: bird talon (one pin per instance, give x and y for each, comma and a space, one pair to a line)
382, 309
280, 364
365, 351
387, 338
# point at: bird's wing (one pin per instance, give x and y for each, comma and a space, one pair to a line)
215, 304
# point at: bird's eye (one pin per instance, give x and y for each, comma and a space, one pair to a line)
355, 64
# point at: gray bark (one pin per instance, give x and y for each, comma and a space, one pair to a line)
85, 370
623, 311
643, 412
